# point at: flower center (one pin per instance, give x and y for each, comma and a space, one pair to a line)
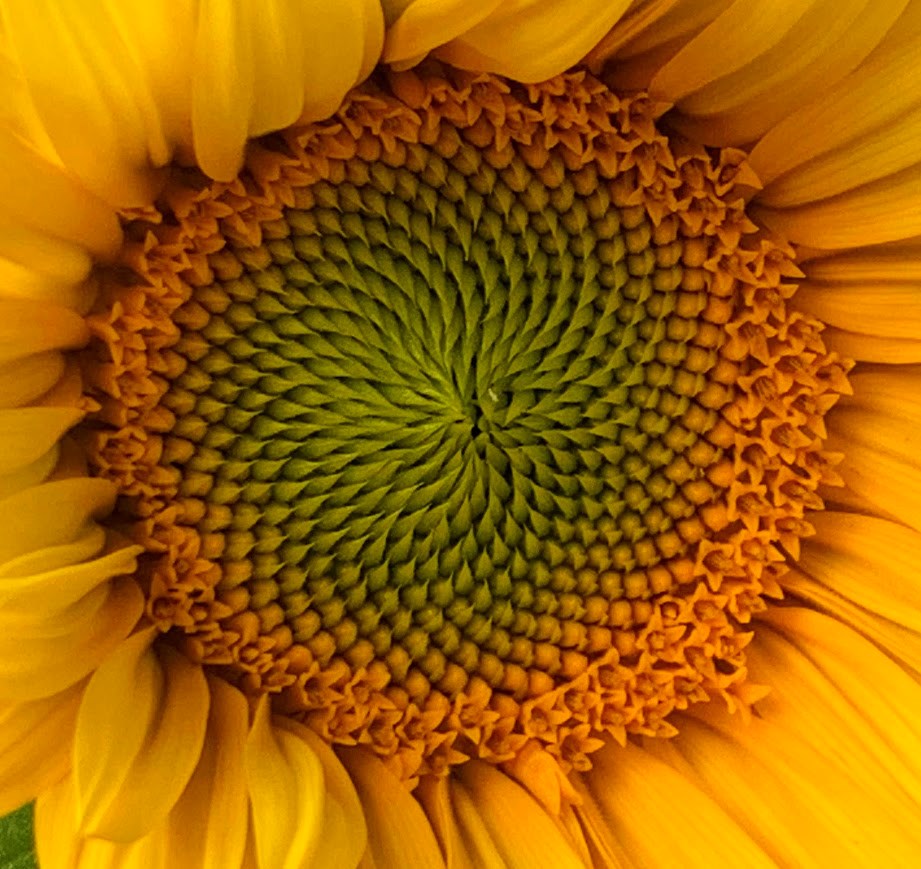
469, 420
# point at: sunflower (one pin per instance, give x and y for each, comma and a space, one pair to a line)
460, 434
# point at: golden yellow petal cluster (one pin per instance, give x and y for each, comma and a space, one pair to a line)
461, 434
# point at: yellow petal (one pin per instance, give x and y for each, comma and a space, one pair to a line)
42, 654
605, 848
875, 155
207, 827
262, 65
790, 813
90, 542
27, 433
139, 736
43, 199
345, 834
827, 742
532, 40
895, 261
28, 327
901, 642
55, 261
35, 743
829, 41
871, 561
640, 796
861, 703
286, 790
34, 597
882, 211
30, 475
59, 844
398, 832
683, 20
473, 832
883, 309
868, 99
56, 841
159, 38
522, 832
733, 40
148, 852
415, 28
91, 95
25, 380
637, 21
879, 431
18, 281
434, 793
872, 348
25, 517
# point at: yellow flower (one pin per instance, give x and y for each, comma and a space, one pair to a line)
439, 433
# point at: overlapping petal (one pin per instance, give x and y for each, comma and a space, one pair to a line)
398, 831
286, 787
262, 66
528, 40
822, 89
879, 431
130, 768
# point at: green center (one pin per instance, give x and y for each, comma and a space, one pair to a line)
447, 391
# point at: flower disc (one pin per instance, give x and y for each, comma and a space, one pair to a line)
469, 420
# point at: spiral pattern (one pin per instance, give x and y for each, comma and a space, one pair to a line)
451, 393
472, 418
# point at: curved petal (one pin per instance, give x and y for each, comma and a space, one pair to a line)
345, 834
878, 154
532, 40
885, 210
207, 827
56, 839
840, 720
25, 380
286, 790
635, 792
28, 327
42, 597
43, 655
27, 433
37, 266
879, 431
870, 561
869, 99
35, 743
869, 299
435, 795
40, 197
25, 516
731, 41
31, 475
828, 40
851, 700
887, 310
131, 766
399, 834
260, 66
92, 95
415, 28
522, 832
60, 846
787, 811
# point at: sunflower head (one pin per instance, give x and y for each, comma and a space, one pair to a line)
433, 442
